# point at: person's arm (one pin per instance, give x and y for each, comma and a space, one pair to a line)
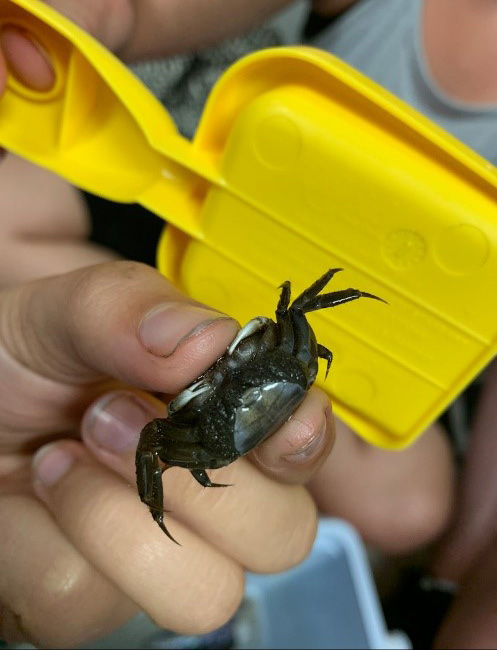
460, 40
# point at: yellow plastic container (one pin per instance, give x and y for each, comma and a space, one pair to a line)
299, 164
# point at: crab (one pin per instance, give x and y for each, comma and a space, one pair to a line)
241, 400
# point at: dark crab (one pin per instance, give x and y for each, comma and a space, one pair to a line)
242, 399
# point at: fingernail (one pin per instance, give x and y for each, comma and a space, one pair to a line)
114, 422
169, 325
26, 58
311, 448
51, 463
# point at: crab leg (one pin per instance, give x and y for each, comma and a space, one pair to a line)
305, 342
268, 341
324, 353
314, 289
149, 481
200, 475
336, 298
284, 297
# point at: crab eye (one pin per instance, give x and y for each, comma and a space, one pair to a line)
250, 397
262, 411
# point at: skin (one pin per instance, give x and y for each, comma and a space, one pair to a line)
466, 73
92, 349
399, 501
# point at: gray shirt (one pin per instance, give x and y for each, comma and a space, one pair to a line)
383, 39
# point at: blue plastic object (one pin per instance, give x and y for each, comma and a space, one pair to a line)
328, 601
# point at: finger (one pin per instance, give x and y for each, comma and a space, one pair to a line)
26, 58
263, 524
72, 602
45, 231
121, 319
295, 452
104, 518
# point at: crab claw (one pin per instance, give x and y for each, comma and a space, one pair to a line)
365, 294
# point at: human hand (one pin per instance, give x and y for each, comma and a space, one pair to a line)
79, 551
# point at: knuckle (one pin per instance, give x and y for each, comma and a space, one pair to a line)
107, 290
93, 282
217, 600
214, 616
293, 535
301, 540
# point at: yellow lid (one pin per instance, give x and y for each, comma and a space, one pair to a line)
299, 164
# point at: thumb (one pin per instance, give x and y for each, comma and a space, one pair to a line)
120, 319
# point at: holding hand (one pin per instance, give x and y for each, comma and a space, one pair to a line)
80, 552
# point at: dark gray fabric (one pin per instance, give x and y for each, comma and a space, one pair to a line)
182, 83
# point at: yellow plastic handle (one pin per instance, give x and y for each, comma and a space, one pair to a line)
98, 126
299, 164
